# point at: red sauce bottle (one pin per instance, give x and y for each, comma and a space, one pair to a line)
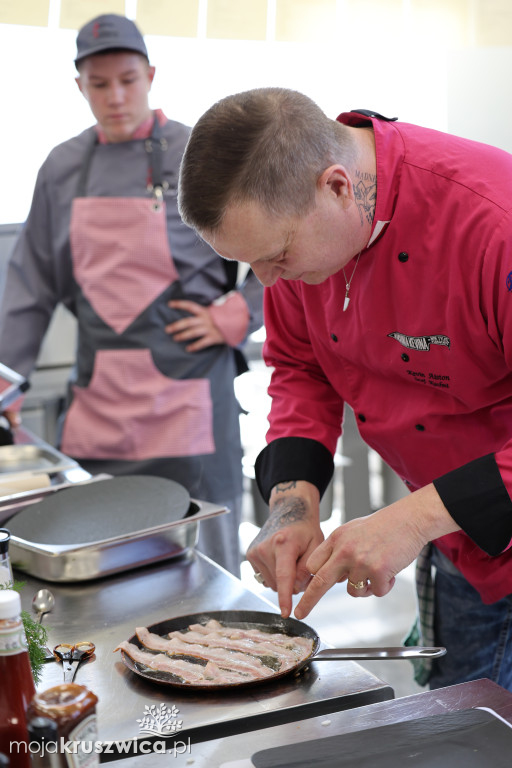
16, 681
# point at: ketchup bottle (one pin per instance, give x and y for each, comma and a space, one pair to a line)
17, 684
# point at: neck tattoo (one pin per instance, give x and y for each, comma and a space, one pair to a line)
348, 283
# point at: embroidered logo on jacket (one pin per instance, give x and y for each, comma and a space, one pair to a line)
420, 343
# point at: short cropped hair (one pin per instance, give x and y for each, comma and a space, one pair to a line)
268, 145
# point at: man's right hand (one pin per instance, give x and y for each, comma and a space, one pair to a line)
292, 532
13, 417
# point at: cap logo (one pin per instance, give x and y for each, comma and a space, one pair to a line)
96, 29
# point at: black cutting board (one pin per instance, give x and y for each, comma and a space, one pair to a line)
100, 510
470, 738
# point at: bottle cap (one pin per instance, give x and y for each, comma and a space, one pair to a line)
4, 761
5, 537
10, 604
42, 728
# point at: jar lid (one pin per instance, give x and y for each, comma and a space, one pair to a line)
5, 536
42, 728
10, 604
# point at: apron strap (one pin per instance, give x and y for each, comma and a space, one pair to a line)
155, 146
81, 189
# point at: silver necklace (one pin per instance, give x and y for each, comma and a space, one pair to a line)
348, 283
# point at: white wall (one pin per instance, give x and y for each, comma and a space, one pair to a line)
399, 71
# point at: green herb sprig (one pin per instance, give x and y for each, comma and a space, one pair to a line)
36, 634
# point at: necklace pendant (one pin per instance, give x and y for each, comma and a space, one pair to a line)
346, 302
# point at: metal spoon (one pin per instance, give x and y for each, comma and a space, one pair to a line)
43, 602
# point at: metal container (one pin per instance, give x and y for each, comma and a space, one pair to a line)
32, 458
83, 562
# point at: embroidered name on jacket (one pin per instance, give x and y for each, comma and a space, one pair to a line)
420, 343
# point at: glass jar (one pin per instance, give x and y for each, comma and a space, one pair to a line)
73, 708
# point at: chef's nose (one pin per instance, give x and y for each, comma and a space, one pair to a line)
267, 274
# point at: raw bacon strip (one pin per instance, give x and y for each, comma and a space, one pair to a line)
227, 659
279, 638
224, 676
245, 645
291, 642
191, 673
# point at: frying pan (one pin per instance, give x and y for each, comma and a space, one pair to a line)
266, 622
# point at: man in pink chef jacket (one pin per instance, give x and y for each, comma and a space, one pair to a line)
385, 250
160, 318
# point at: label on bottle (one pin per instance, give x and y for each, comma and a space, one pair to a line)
12, 640
83, 738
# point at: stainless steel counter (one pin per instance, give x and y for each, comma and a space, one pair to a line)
236, 751
107, 611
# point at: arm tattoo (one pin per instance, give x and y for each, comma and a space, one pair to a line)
286, 486
285, 512
366, 195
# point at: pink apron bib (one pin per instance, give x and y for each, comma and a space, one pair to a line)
130, 410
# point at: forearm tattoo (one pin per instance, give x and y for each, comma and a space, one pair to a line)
286, 511
366, 195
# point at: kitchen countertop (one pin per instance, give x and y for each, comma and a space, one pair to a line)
107, 611
236, 751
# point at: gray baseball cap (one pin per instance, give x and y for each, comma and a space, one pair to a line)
108, 32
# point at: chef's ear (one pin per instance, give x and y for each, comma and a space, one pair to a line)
336, 181
78, 82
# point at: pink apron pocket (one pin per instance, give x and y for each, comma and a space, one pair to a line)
131, 411
121, 256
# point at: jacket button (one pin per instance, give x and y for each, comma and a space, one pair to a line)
403, 257
420, 427
405, 357
334, 337
361, 417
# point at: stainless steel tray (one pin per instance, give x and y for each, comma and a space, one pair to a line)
32, 458
96, 559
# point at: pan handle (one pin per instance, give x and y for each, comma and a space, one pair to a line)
399, 652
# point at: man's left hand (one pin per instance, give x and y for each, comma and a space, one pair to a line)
198, 327
369, 551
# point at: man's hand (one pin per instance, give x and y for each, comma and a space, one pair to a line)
287, 539
13, 417
368, 552
198, 325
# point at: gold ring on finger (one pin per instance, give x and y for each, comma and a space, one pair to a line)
357, 584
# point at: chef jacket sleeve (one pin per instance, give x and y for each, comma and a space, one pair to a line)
306, 412
30, 292
478, 494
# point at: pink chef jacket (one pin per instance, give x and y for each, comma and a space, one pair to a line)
423, 353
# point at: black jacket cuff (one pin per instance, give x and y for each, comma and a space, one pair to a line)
293, 458
476, 498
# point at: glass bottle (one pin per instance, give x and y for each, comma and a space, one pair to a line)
17, 688
6, 577
44, 743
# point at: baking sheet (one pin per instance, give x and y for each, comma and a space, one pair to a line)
470, 738
15, 459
